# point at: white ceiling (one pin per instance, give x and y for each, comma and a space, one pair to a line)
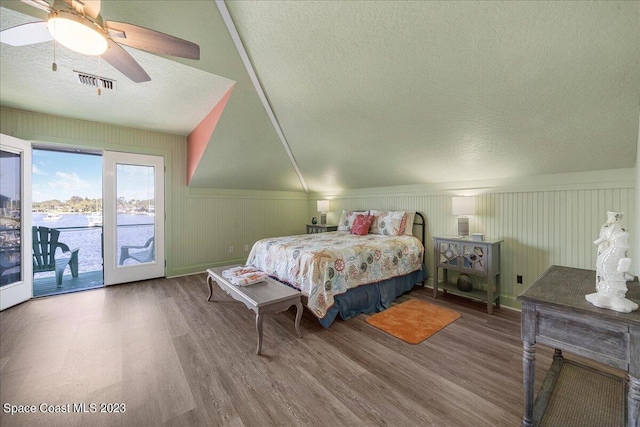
369, 93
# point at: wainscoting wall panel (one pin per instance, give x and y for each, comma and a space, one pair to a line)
226, 221
539, 228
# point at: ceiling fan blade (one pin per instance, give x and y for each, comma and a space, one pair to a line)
25, 34
152, 41
123, 62
40, 4
90, 8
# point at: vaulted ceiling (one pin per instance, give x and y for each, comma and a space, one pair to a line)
365, 94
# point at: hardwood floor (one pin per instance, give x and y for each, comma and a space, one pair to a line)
173, 358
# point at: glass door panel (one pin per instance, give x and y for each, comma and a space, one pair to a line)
15, 217
133, 217
10, 215
135, 199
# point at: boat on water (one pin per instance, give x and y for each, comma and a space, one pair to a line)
95, 219
52, 216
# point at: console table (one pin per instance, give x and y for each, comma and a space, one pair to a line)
555, 313
474, 257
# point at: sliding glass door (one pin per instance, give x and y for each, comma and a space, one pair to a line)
133, 217
16, 269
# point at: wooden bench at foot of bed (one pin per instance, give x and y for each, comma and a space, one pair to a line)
268, 296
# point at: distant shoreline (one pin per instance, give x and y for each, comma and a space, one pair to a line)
61, 212
86, 213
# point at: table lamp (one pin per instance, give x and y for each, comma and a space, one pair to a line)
462, 207
323, 208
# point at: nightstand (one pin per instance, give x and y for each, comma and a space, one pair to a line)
320, 228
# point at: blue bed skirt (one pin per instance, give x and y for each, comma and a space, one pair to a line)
371, 298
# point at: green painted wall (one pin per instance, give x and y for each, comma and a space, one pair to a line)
201, 224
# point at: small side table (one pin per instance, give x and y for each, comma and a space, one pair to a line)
320, 228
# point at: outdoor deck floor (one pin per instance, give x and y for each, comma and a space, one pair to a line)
43, 286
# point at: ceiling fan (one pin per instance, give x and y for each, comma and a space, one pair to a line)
79, 26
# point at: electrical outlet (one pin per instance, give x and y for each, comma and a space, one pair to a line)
230, 249
246, 248
519, 279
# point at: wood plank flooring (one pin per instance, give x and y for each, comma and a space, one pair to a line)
175, 359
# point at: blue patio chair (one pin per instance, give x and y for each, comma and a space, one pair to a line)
45, 243
141, 254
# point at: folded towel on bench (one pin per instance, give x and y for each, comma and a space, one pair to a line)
243, 276
236, 271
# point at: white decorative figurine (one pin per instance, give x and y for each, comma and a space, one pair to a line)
612, 267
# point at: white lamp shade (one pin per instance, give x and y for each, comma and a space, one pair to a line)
463, 205
323, 206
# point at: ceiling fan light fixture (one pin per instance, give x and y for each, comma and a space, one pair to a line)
72, 32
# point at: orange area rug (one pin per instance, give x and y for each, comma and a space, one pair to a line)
413, 321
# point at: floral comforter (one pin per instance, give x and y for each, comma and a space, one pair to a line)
326, 264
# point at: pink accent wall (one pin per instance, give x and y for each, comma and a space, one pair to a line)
199, 137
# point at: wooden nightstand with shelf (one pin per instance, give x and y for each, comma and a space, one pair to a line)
320, 228
472, 257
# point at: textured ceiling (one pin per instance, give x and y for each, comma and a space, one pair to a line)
368, 93
390, 93
181, 93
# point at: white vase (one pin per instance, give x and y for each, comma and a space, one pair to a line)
612, 267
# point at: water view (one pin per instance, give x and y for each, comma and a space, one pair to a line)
75, 232
66, 195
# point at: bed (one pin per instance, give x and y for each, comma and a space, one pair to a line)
341, 273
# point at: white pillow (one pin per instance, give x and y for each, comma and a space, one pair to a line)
389, 223
374, 224
347, 218
408, 230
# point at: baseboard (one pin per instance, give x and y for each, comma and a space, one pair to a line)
511, 303
201, 268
